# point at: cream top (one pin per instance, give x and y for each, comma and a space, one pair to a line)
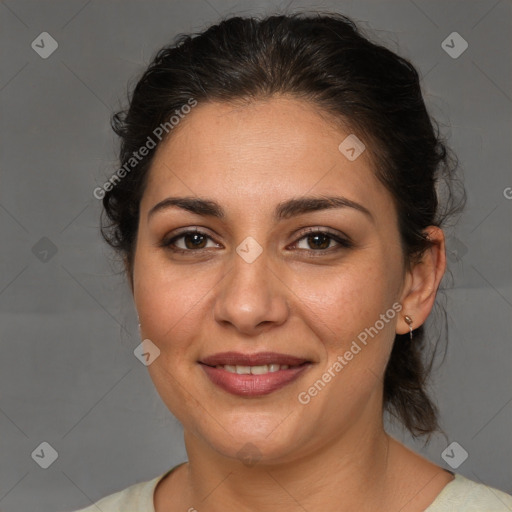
459, 495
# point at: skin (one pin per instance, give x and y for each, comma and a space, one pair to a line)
304, 298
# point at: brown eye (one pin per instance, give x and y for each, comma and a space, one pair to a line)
194, 240
318, 241
187, 241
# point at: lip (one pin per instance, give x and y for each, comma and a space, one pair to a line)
253, 385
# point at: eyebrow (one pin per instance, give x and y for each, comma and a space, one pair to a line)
284, 210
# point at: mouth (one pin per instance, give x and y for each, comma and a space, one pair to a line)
254, 370
253, 374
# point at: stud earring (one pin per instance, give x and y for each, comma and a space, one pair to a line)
408, 320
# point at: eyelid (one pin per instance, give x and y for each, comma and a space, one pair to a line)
327, 231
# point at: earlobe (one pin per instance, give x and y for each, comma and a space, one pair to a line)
409, 322
423, 282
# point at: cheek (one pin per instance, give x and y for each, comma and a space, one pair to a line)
170, 302
345, 302
352, 315
168, 296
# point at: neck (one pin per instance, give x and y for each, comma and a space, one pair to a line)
341, 475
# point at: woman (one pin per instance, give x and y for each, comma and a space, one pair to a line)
277, 214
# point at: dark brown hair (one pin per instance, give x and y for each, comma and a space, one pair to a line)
326, 60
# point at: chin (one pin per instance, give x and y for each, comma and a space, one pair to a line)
253, 439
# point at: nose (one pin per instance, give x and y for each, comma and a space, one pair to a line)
251, 298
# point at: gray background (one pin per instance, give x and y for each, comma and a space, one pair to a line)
68, 375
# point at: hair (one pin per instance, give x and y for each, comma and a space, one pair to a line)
325, 60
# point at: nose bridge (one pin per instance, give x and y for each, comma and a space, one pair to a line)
250, 294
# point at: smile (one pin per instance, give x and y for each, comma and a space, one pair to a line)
251, 375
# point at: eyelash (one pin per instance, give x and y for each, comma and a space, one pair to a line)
344, 243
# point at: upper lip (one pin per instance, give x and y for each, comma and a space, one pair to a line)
260, 358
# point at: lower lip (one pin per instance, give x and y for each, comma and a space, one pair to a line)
253, 385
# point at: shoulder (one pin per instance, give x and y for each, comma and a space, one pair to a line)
136, 497
464, 495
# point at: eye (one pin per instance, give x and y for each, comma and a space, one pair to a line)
193, 240
318, 240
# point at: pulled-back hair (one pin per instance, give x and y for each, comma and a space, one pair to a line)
325, 60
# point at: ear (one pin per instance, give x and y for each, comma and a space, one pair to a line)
422, 282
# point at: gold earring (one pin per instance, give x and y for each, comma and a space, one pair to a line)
408, 320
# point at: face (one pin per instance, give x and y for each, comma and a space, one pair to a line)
257, 279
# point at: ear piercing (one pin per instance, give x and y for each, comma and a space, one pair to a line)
408, 321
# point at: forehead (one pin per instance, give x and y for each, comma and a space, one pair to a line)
267, 148
277, 128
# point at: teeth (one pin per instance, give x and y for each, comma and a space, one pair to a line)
253, 370
259, 370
